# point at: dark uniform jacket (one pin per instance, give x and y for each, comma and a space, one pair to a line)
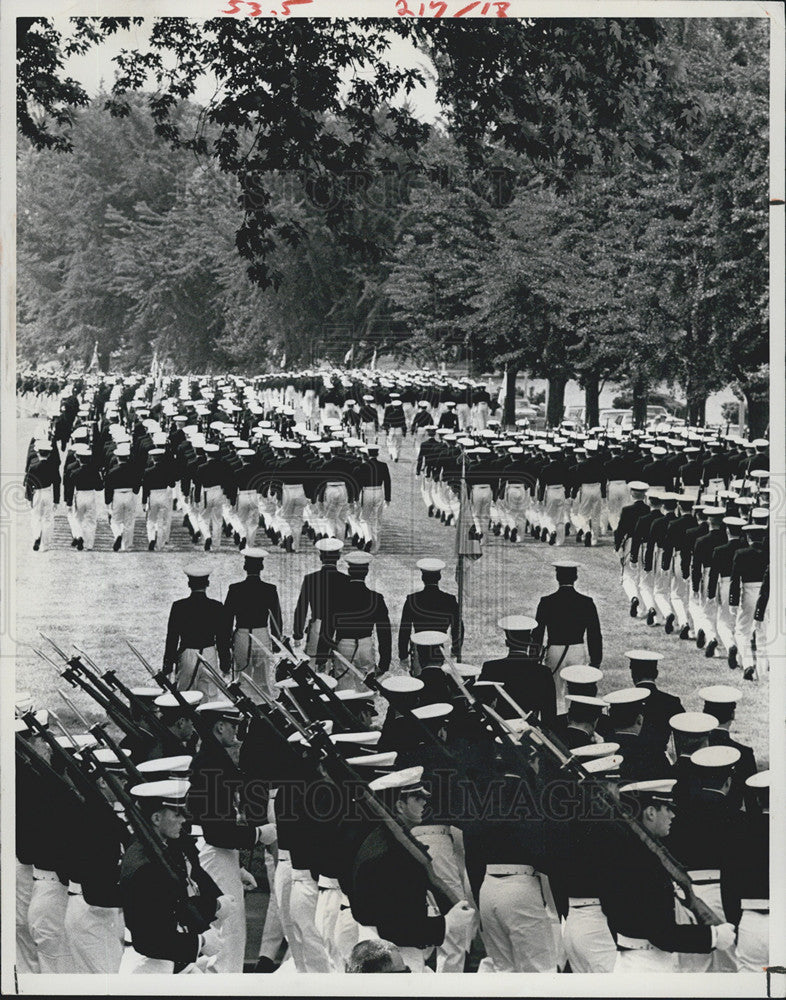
253, 604
388, 891
321, 593
426, 610
358, 612
721, 562
748, 566
629, 517
215, 798
658, 709
743, 769
569, 616
529, 683
745, 872
197, 622
639, 900
43, 473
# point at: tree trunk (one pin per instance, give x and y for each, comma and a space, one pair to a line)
556, 404
697, 408
640, 396
509, 406
592, 401
758, 415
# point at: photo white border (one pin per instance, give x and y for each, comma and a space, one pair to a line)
679, 985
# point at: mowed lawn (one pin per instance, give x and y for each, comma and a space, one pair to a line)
98, 599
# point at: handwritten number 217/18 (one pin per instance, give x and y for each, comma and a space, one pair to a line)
438, 8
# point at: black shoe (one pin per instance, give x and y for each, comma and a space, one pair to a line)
732, 658
634, 606
472, 533
236, 537
208, 544
73, 543
700, 639
651, 616
567, 532
368, 545
36, 544
80, 544
442, 517
514, 534
712, 645
553, 538
579, 535
668, 625
197, 536
289, 544
187, 523
117, 543
685, 632
265, 965
588, 540
506, 533
151, 545
242, 543
431, 510
749, 673
495, 529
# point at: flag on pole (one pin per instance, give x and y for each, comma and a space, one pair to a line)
94, 364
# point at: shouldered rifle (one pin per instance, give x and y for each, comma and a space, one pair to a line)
332, 766
84, 786
29, 756
144, 711
150, 839
300, 669
99, 731
371, 682
79, 675
545, 742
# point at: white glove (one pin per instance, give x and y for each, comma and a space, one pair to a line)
247, 880
458, 918
266, 834
223, 904
212, 941
723, 936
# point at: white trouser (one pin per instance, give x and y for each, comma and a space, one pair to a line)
124, 506
372, 504
223, 865
293, 503
481, 506
211, 514
86, 516
588, 942
394, 440
645, 960
247, 515
427, 489
517, 929
335, 924
463, 413
553, 517
159, 516
630, 576
360, 653
192, 676
745, 623
586, 510
617, 497
715, 960
46, 919
26, 952
134, 964
662, 587
678, 592
727, 616
368, 431
709, 611
302, 912
753, 941
43, 515
95, 936
282, 886
558, 656
646, 584
273, 929
480, 415
516, 504
444, 845
694, 606
336, 505
255, 660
